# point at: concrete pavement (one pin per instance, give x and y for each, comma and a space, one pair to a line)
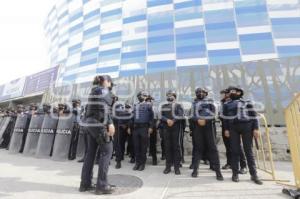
28, 177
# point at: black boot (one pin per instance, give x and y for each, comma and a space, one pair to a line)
177, 171
118, 165
81, 160
163, 157
219, 175
132, 160
142, 167
106, 190
136, 167
226, 166
243, 171
256, 180
235, 178
84, 188
167, 170
195, 173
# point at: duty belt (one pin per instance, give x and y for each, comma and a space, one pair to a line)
141, 125
241, 121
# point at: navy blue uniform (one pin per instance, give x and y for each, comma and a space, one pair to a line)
153, 141
98, 117
143, 120
123, 123
204, 138
77, 111
240, 119
172, 135
226, 140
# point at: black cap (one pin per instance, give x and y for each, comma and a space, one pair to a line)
237, 88
171, 92
142, 93
198, 90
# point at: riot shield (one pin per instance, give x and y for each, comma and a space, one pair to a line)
81, 143
33, 134
19, 133
47, 136
63, 136
3, 125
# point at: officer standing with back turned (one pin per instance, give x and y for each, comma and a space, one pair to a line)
100, 131
240, 121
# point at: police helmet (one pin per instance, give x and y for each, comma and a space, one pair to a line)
171, 93
201, 90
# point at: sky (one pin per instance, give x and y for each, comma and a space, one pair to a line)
23, 49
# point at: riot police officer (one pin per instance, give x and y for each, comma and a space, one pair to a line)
243, 164
153, 135
32, 111
203, 117
172, 115
83, 131
12, 116
143, 126
123, 117
100, 131
76, 111
240, 121
130, 147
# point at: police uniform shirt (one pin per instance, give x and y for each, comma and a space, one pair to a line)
143, 113
239, 110
203, 109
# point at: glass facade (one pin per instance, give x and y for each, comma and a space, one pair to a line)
182, 44
137, 37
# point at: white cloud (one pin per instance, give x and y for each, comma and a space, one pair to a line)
23, 49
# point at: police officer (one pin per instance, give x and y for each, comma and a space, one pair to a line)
172, 115
153, 135
84, 133
143, 126
123, 121
4, 142
130, 147
100, 131
32, 111
203, 117
225, 98
240, 121
76, 111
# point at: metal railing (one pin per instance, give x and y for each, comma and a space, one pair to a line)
292, 118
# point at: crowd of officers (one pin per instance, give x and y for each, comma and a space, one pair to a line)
139, 124
142, 125
132, 129
61, 110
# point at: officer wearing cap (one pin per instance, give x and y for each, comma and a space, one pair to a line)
100, 131
243, 164
143, 126
172, 114
203, 117
240, 121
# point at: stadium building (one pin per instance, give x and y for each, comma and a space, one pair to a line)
182, 44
